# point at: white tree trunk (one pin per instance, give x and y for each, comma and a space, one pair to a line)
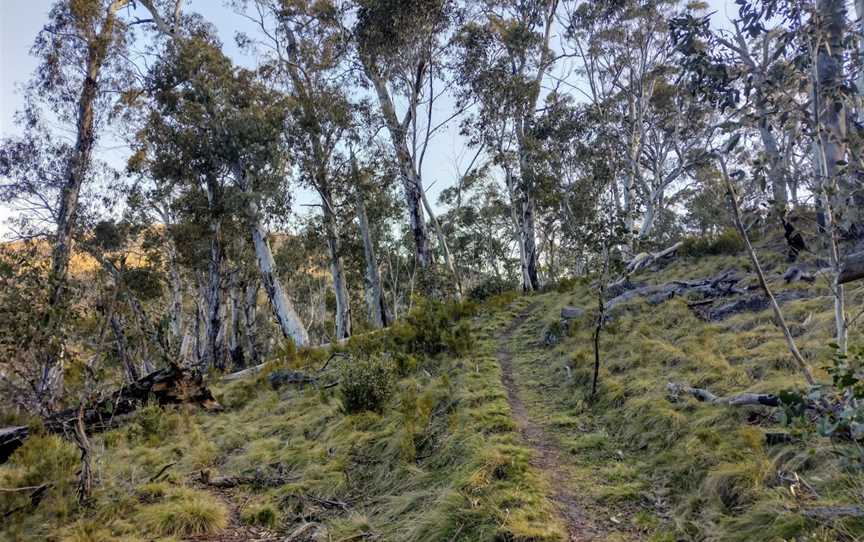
410, 179
337, 269
287, 318
376, 308
213, 350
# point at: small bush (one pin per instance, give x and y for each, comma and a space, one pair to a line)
367, 384
433, 327
490, 287
727, 242
185, 513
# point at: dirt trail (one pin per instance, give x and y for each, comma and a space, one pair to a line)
547, 457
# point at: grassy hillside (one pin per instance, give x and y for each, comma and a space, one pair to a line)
457, 454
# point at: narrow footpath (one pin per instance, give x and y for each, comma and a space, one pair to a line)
547, 456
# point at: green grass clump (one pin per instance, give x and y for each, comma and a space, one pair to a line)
726, 242
184, 512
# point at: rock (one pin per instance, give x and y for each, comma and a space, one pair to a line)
751, 303
572, 313
550, 337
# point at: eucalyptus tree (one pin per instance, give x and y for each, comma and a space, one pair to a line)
83, 69
793, 57
401, 48
306, 48
504, 60
216, 131
624, 52
377, 312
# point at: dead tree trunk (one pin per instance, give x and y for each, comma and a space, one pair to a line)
852, 268
85, 477
172, 385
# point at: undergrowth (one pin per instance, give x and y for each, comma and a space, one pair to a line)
434, 457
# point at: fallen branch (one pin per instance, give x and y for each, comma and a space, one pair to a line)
645, 259
705, 396
34, 499
834, 512
161, 471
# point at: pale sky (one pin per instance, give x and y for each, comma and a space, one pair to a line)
21, 20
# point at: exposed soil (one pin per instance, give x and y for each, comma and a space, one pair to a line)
547, 457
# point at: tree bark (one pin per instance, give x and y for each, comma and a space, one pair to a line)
337, 269
830, 119
235, 338
852, 268
411, 181
129, 368
287, 318
250, 311
74, 176
214, 351
376, 308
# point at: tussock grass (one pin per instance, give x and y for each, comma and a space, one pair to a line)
183, 512
687, 470
439, 461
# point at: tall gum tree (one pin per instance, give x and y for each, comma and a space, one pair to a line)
505, 60
83, 63
307, 47
399, 44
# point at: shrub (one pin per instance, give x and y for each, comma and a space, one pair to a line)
366, 384
263, 515
490, 286
727, 242
433, 327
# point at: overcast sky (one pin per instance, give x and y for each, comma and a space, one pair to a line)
21, 20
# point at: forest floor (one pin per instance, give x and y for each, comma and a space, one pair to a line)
501, 443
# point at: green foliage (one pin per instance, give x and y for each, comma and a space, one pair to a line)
727, 242
433, 327
844, 419
366, 384
489, 287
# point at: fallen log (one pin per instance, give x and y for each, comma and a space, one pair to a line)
834, 512
10, 439
742, 399
852, 268
172, 385
259, 480
646, 259
748, 303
